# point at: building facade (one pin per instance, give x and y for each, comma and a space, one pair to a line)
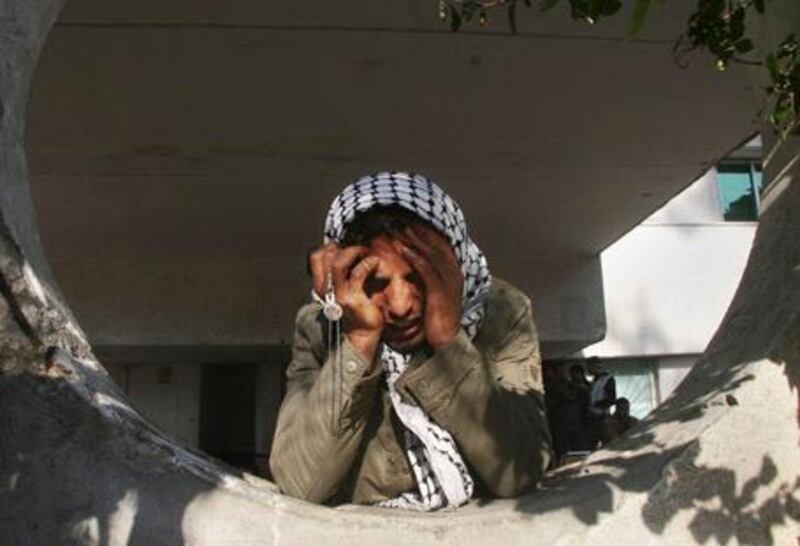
668, 282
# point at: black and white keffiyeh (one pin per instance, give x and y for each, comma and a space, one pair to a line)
442, 477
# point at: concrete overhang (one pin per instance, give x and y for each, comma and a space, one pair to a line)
182, 156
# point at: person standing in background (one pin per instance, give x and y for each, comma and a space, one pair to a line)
602, 395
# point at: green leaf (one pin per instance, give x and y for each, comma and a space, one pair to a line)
640, 10
772, 66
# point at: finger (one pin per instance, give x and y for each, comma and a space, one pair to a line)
420, 263
310, 254
433, 240
440, 246
361, 271
319, 263
436, 257
411, 236
343, 264
409, 243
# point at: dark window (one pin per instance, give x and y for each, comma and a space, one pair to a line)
739, 186
227, 413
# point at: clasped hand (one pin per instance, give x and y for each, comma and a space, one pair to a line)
427, 252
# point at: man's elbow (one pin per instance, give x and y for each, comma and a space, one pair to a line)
520, 478
293, 481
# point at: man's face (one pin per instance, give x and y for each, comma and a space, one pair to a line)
398, 291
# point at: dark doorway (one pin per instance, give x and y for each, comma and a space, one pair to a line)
227, 414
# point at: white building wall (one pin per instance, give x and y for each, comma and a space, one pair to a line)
668, 283
668, 286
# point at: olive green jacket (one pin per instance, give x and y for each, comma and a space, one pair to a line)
487, 393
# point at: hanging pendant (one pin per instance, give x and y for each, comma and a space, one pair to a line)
331, 309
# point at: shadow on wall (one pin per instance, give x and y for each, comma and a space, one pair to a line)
111, 474
720, 513
671, 461
707, 499
673, 456
102, 484
695, 458
788, 354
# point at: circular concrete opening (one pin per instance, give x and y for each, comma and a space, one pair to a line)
716, 462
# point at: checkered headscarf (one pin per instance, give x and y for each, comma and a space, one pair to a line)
443, 479
427, 200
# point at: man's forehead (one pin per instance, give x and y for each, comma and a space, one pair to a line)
384, 247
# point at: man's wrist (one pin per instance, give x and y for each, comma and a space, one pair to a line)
365, 343
444, 339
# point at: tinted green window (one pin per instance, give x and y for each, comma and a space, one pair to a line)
635, 381
739, 186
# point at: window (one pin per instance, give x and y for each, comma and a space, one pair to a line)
739, 186
635, 381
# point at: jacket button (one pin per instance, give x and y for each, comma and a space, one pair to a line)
351, 366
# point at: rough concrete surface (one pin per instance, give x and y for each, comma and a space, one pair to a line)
717, 463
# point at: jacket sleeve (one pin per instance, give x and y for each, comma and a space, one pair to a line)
611, 391
493, 406
318, 433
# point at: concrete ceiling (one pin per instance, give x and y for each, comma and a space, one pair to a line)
183, 154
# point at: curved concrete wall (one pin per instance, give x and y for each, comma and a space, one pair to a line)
716, 463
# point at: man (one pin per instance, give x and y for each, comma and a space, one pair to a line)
569, 413
621, 421
428, 390
603, 395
